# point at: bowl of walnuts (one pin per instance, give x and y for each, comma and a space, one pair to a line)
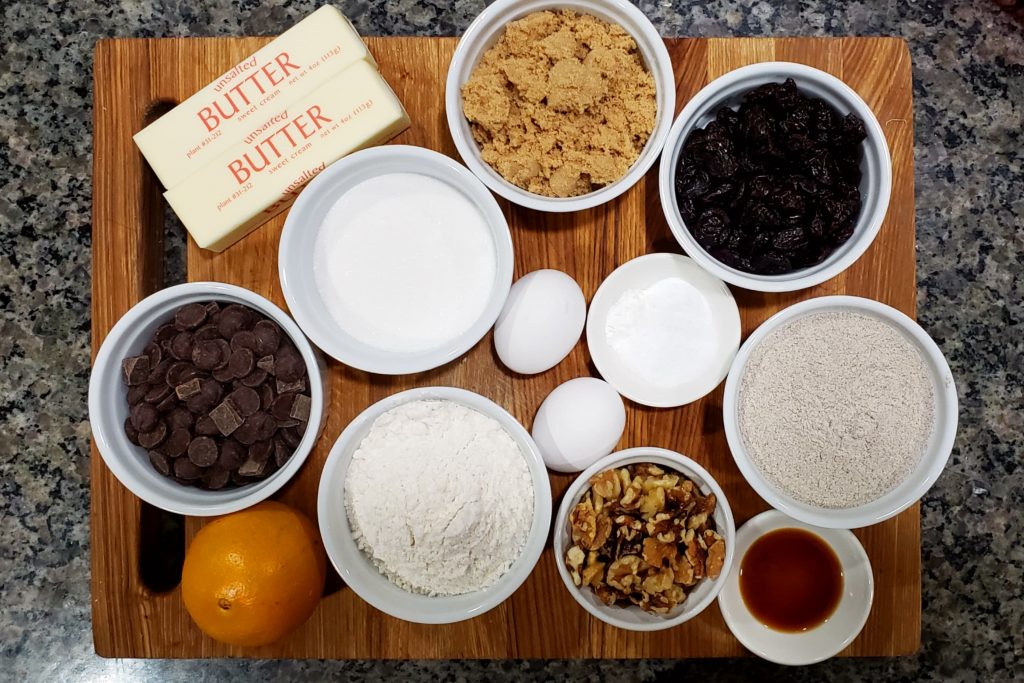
644, 539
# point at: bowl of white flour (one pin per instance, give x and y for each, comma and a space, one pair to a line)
840, 411
434, 505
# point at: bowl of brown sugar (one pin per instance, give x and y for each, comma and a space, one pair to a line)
560, 105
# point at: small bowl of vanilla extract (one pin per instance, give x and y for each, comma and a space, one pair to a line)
797, 594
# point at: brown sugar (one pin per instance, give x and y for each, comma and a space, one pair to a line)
562, 104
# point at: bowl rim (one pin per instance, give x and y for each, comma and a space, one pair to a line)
716, 293
106, 369
688, 467
418, 160
933, 461
730, 603
415, 607
873, 212
648, 40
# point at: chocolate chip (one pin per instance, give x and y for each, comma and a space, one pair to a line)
261, 451
154, 437
186, 469
288, 364
130, 431
268, 337
257, 427
243, 340
246, 400
281, 408
144, 417
241, 362
159, 372
232, 319
290, 387
154, 353
223, 373
290, 422
266, 396
210, 353
252, 468
293, 435
158, 391
206, 332
232, 454
226, 417
301, 407
266, 364
137, 393
160, 463
135, 370
210, 393
181, 346
205, 426
255, 378
187, 390
239, 479
281, 453
177, 443
216, 478
202, 451
169, 403
180, 418
212, 307
179, 372
164, 333
190, 317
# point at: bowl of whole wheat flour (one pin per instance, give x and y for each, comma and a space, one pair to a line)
434, 505
840, 411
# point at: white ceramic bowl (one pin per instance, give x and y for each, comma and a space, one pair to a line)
643, 272
360, 574
817, 644
932, 461
632, 618
488, 27
876, 169
298, 248
108, 403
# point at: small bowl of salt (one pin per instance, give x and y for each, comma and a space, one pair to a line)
395, 260
840, 411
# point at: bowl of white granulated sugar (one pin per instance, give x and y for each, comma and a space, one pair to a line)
840, 411
434, 505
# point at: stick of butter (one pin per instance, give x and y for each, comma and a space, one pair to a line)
258, 178
250, 94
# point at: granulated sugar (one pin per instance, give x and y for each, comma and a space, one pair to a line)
836, 408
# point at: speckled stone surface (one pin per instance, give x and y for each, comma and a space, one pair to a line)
969, 116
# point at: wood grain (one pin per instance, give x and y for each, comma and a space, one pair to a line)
135, 76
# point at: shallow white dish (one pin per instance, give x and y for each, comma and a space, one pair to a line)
298, 249
816, 644
643, 272
108, 403
485, 31
632, 618
933, 461
360, 574
876, 169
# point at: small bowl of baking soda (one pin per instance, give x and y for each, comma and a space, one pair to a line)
434, 505
395, 260
840, 411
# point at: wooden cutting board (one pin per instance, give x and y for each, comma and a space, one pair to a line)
137, 78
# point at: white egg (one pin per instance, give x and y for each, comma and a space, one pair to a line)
579, 423
542, 320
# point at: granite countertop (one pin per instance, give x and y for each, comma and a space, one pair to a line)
969, 152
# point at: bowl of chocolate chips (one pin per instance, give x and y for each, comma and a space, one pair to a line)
205, 398
775, 177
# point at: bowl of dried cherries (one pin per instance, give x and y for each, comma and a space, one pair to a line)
205, 398
775, 177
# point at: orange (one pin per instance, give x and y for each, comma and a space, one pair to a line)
253, 576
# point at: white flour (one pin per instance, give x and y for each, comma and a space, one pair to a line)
663, 333
836, 408
404, 262
439, 496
